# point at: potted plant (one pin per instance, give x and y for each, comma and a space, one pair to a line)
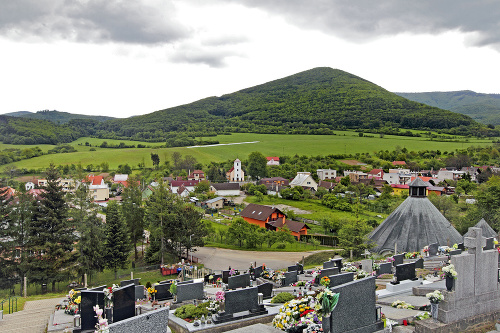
173, 290
435, 297
450, 275
328, 301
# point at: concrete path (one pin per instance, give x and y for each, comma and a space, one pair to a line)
32, 319
220, 259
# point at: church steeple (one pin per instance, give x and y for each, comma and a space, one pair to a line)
418, 188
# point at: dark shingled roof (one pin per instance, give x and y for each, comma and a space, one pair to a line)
258, 212
293, 226
226, 186
413, 225
418, 183
488, 232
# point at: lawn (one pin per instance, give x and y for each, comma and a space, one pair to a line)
269, 144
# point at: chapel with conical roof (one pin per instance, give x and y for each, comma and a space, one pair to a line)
414, 224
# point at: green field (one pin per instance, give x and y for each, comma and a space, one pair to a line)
269, 144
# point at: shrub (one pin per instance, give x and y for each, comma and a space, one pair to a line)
280, 245
282, 298
148, 285
192, 311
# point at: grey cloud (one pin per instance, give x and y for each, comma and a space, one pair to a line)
213, 57
91, 21
364, 20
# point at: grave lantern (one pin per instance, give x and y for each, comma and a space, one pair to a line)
260, 298
378, 310
76, 320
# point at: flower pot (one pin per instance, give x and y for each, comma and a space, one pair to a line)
222, 306
450, 281
326, 323
108, 312
434, 310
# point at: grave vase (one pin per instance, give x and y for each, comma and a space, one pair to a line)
449, 283
326, 323
108, 312
434, 310
222, 306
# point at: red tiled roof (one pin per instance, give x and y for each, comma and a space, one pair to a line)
400, 186
374, 171
258, 212
177, 183
273, 158
398, 163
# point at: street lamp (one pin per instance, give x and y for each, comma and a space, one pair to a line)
191, 248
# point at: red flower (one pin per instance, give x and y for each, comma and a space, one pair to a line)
306, 312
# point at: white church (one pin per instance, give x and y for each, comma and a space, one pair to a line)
236, 174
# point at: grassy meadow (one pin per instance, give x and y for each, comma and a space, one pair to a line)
269, 144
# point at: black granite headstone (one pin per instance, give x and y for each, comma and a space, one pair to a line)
405, 272
355, 310
225, 276
266, 289
292, 268
258, 271
461, 246
433, 249
336, 280
238, 281
139, 292
100, 288
190, 291
385, 268
163, 291
127, 282
333, 263
241, 303
419, 263
90, 298
289, 278
455, 252
124, 303
490, 245
398, 259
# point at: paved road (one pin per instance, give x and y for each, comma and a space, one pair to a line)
32, 319
219, 259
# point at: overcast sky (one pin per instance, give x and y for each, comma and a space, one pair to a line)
124, 58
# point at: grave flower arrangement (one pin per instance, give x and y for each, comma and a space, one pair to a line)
422, 315
449, 271
297, 313
232, 272
327, 300
325, 281
375, 266
412, 255
173, 288
300, 283
426, 249
360, 275
102, 324
151, 292
219, 281
402, 305
220, 296
390, 259
350, 268
108, 295
435, 297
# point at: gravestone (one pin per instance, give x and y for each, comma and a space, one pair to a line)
163, 291
367, 265
225, 276
238, 281
336, 280
490, 245
124, 303
433, 249
289, 278
239, 304
476, 290
90, 298
356, 309
333, 263
139, 292
190, 291
258, 271
419, 263
461, 246
405, 272
185, 282
265, 289
455, 252
100, 288
398, 259
385, 268
325, 272
127, 282
292, 268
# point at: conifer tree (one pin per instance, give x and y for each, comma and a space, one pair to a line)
133, 212
116, 245
7, 246
51, 238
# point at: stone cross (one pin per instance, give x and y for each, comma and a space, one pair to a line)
366, 254
475, 243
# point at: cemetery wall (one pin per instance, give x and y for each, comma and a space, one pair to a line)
154, 321
464, 325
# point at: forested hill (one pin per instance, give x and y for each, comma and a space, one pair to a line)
484, 108
311, 102
55, 116
316, 101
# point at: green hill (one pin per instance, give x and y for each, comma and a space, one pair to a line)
316, 101
55, 116
311, 102
484, 108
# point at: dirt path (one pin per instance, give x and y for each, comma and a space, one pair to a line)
219, 259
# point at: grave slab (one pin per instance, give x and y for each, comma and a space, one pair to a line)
336, 280
124, 303
190, 291
385, 268
238, 281
367, 265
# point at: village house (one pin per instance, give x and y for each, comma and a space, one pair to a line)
305, 180
355, 176
225, 189
236, 173
327, 185
98, 189
68, 185
215, 203
376, 173
196, 175
120, 179
273, 160
188, 185
272, 218
274, 180
326, 174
